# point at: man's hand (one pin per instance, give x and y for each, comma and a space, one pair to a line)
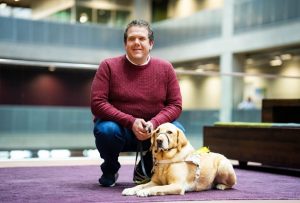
142, 129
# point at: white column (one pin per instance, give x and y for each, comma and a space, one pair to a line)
142, 10
226, 62
226, 87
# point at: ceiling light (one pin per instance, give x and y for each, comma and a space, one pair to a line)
200, 66
199, 70
276, 62
83, 18
210, 66
249, 61
286, 57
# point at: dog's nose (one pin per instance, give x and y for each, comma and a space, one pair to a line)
159, 143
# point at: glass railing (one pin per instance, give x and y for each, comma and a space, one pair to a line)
248, 14
200, 26
33, 127
36, 127
203, 25
60, 34
254, 14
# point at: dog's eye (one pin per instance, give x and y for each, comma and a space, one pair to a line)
157, 131
169, 132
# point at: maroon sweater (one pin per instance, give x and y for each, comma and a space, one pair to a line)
122, 92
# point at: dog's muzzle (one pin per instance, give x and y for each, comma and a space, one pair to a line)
163, 141
159, 143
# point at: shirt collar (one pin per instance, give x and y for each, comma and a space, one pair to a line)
148, 59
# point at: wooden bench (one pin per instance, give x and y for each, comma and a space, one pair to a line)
275, 146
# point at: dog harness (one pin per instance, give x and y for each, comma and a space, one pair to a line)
194, 158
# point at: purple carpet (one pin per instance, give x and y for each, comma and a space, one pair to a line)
79, 184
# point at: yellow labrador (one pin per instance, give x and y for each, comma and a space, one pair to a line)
178, 168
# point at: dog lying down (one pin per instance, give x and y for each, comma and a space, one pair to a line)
178, 168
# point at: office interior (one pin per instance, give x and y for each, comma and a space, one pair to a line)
223, 51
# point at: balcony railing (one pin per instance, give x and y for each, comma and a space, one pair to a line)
257, 14
32, 127
60, 34
248, 15
200, 26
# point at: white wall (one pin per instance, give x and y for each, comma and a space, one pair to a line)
203, 92
200, 92
284, 88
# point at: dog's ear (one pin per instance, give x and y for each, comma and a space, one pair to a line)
181, 139
153, 138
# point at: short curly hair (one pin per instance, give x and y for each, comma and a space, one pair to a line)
139, 23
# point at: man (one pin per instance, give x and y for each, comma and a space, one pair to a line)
131, 95
247, 104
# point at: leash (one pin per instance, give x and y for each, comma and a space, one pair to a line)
136, 172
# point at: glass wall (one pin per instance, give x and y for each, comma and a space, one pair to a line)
258, 79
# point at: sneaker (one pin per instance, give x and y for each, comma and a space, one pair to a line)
108, 180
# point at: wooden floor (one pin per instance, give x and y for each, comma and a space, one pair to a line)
76, 161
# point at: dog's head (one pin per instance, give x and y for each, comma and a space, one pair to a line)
167, 137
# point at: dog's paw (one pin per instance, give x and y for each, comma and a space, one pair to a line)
129, 192
221, 187
143, 193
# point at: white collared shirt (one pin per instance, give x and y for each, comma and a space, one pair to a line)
148, 59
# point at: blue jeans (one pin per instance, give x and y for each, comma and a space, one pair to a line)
111, 139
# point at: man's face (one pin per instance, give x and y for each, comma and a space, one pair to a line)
137, 44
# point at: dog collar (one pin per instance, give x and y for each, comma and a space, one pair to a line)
166, 149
